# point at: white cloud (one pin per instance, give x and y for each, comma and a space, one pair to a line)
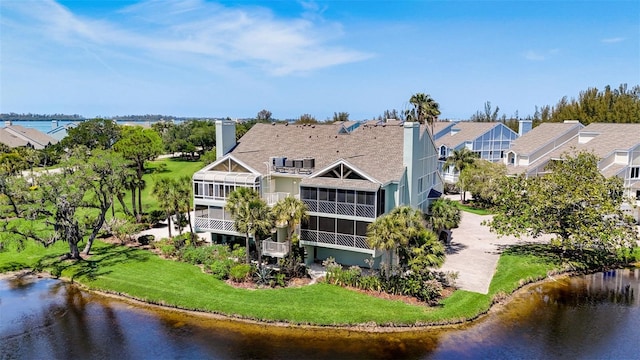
181, 29
534, 56
612, 40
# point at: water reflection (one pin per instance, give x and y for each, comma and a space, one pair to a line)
584, 317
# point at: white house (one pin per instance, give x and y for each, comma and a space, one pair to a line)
347, 173
617, 146
489, 140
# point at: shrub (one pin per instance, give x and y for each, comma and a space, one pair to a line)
370, 282
292, 267
220, 268
239, 272
239, 252
279, 280
197, 255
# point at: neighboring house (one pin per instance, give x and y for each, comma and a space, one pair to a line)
348, 173
489, 140
59, 132
617, 146
16, 136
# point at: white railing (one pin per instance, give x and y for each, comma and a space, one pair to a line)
340, 208
274, 197
323, 237
275, 249
204, 223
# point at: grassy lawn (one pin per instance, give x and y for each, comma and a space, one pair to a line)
471, 209
173, 167
143, 275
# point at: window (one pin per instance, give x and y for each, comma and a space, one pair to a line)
637, 194
346, 196
345, 226
197, 189
323, 194
216, 212
361, 228
326, 224
311, 224
635, 172
309, 193
365, 198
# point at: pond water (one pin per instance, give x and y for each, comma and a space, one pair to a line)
594, 316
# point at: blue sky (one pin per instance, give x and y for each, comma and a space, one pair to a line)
234, 58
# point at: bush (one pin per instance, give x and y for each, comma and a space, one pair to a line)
292, 267
220, 268
197, 255
239, 272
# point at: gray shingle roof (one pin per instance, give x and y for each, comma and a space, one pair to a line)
376, 150
610, 137
541, 135
16, 135
468, 131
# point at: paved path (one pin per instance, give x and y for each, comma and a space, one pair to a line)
474, 253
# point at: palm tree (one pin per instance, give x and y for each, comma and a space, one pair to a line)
444, 215
429, 253
246, 208
385, 234
460, 160
425, 108
163, 190
183, 190
290, 212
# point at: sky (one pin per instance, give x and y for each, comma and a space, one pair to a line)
200, 58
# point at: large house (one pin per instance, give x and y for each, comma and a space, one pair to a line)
489, 140
16, 136
617, 146
347, 173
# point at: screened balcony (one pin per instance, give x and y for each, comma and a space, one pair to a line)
319, 230
360, 203
214, 219
217, 185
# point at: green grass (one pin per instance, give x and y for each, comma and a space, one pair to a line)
145, 276
471, 209
174, 167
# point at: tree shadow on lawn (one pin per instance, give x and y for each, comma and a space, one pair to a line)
96, 265
575, 259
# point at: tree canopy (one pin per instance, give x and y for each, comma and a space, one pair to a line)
574, 201
94, 133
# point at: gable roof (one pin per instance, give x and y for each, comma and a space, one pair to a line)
16, 135
466, 131
542, 135
374, 149
608, 137
605, 139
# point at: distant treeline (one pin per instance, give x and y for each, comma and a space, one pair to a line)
65, 117
40, 117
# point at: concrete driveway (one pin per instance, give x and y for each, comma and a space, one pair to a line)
474, 253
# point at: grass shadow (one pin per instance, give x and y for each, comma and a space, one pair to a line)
98, 264
573, 259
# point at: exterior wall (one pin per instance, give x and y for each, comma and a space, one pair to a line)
421, 163
347, 258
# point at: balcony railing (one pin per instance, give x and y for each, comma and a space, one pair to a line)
274, 197
275, 249
323, 237
204, 223
340, 208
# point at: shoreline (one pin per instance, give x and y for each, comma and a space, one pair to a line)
361, 328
